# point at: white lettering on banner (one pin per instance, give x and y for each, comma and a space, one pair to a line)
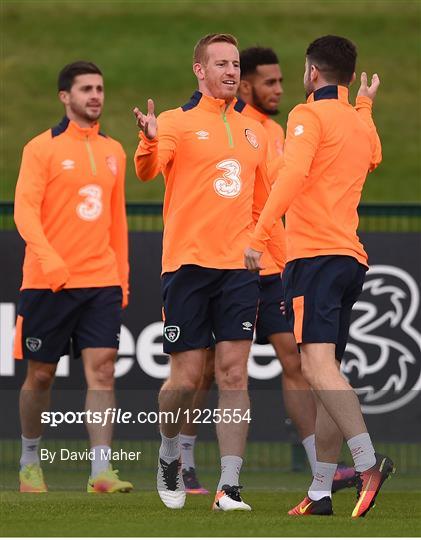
382, 358
7, 336
147, 349
63, 366
126, 351
263, 372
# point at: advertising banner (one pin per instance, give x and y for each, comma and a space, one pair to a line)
382, 359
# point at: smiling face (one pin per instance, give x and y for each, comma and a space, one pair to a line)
85, 99
219, 74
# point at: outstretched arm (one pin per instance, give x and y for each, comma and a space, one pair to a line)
118, 230
154, 152
303, 135
364, 104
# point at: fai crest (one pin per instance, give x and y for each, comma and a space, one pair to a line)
112, 164
252, 138
382, 360
33, 344
172, 333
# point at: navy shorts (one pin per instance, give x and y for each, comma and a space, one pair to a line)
319, 295
47, 321
270, 319
205, 305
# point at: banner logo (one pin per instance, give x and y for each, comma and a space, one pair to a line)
382, 360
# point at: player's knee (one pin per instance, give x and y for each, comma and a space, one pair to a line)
232, 378
104, 374
40, 378
208, 375
291, 365
186, 380
189, 386
309, 372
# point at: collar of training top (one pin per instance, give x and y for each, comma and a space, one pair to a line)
240, 106
208, 103
331, 91
70, 127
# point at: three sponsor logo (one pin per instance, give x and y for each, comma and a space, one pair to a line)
382, 360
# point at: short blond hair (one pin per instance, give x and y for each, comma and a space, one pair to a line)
200, 49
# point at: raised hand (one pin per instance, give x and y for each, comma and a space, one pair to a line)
369, 91
147, 122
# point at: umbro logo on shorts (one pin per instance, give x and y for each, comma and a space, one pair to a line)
247, 326
172, 333
33, 344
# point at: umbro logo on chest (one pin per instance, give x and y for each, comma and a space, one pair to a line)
68, 164
202, 135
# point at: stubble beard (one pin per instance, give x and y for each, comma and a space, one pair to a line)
84, 114
259, 105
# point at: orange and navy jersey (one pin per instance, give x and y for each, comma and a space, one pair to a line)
214, 162
330, 148
276, 139
70, 209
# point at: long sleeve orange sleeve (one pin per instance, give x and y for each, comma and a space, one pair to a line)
29, 196
118, 229
153, 155
364, 106
303, 135
276, 239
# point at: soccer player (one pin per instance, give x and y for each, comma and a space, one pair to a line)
70, 210
330, 147
214, 164
259, 95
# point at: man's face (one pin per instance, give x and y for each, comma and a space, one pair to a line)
266, 87
85, 99
219, 76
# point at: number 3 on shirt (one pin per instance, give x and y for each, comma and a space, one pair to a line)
230, 184
91, 208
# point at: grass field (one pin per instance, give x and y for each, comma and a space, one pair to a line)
144, 49
67, 511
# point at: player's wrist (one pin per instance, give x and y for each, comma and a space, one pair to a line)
364, 100
257, 245
151, 141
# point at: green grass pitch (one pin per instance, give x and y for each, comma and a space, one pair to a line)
145, 47
67, 511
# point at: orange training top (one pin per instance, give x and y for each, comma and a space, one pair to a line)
214, 164
70, 210
330, 147
275, 131
276, 139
